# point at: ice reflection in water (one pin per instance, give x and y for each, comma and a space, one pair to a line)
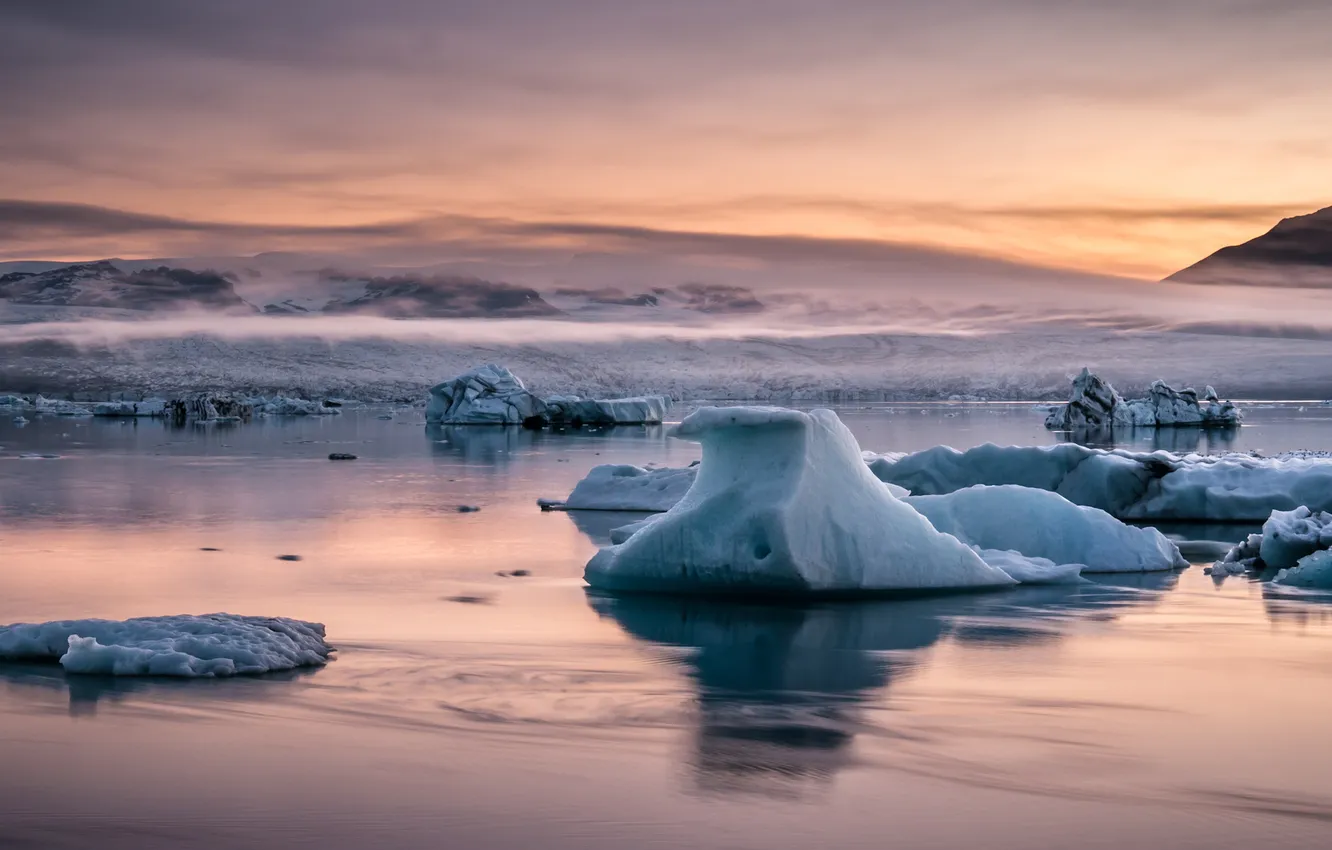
780, 689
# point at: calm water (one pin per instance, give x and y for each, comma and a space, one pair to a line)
1152, 711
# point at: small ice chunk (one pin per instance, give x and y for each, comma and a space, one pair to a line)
623, 487
184, 645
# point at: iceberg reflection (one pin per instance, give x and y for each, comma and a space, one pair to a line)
782, 690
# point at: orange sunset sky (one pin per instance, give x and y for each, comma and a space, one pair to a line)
1128, 137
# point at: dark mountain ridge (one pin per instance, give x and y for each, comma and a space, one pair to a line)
1295, 253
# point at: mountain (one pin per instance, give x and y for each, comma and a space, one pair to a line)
407, 296
103, 284
1296, 253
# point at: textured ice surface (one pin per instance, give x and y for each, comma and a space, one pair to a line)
488, 395
784, 503
184, 645
1313, 571
1041, 524
1126, 484
1287, 536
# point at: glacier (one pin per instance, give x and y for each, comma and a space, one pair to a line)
208, 645
1095, 405
1045, 525
784, 504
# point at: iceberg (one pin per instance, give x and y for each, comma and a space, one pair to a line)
1044, 525
287, 406
1095, 405
207, 406
493, 395
58, 407
640, 410
1128, 485
1286, 538
1313, 571
623, 487
783, 504
147, 407
209, 645
489, 395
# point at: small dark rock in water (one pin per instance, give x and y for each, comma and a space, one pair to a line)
470, 599
513, 573
288, 557
384, 416
209, 549
468, 509
341, 456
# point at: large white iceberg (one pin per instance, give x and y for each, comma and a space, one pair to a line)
783, 503
187, 645
492, 395
1128, 485
1095, 405
1045, 525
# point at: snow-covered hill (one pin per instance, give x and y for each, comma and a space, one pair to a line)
103, 284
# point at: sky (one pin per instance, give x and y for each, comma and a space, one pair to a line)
1126, 138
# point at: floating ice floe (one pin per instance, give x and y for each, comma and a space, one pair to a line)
1095, 405
59, 407
1128, 485
784, 504
623, 487
286, 406
492, 395
1295, 543
186, 645
152, 407
1041, 524
572, 410
7, 400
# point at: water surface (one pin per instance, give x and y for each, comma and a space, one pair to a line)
472, 709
